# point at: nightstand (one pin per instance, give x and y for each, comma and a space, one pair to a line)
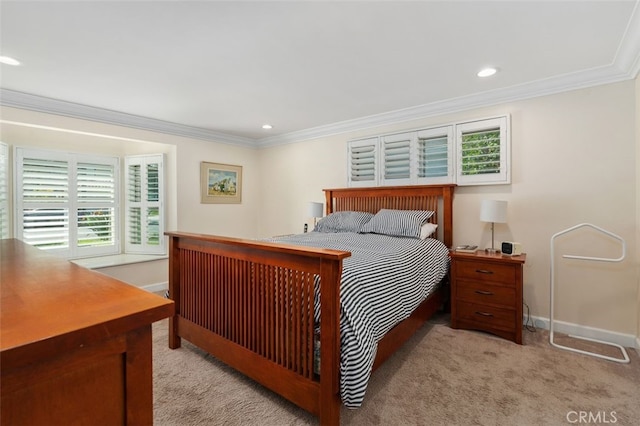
486, 293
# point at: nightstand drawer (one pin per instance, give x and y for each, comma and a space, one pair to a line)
489, 315
483, 293
485, 271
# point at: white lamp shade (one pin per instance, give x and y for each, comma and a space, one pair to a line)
493, 211
315, 209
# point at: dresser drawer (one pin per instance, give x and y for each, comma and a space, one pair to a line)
486, 271
483, 293
489, 315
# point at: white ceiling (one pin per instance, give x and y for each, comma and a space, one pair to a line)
222, 69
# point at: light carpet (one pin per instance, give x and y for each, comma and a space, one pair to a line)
440, 377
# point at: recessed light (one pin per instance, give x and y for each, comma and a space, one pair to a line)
487, 72
9, 61
267, 126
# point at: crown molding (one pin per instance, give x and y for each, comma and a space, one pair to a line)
628, 54
12, 98
563, 83
626, 66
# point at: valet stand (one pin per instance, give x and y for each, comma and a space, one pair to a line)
625, 359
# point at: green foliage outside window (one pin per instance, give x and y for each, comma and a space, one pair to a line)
481, 152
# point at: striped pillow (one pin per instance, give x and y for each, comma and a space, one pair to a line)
346, 221
397, 223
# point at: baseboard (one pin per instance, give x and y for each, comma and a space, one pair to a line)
154, 288
626, 340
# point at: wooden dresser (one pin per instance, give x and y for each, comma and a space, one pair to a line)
486, 293
75, 344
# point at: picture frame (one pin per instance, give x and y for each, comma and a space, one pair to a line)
220, 183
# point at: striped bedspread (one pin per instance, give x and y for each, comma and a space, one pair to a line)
383, 281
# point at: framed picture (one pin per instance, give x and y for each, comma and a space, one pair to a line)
220, 183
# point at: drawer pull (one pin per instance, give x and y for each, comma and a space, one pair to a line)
484, 271
484, 314
484, 292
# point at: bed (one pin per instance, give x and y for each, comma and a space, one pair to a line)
272, 309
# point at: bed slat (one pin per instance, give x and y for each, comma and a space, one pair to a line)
269, 309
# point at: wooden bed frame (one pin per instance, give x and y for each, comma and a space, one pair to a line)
250, 303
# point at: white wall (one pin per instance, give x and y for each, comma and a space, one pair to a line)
236, 220
573, 161
184, 211
637, 115
183, 171
151, 275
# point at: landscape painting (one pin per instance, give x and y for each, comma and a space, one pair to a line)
220, 183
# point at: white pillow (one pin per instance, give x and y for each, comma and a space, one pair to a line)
427, 229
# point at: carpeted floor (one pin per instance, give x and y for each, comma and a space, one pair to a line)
440, 377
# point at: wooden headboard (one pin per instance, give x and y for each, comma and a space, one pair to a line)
438, 198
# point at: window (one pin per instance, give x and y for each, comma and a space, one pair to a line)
435, 155
67, 203
363, 167
4, 190
396, 158
478, 155
410, 158
483, 152
144, 210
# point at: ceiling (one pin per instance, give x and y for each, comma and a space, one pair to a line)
219, 70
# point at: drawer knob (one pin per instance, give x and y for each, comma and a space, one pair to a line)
484, 314
484, 271
484, 292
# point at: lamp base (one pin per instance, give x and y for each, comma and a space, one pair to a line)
492, 251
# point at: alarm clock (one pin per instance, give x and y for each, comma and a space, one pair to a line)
511, 248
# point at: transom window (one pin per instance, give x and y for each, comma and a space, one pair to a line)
483, 152
469, 153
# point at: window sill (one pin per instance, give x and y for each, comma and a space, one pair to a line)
117, 260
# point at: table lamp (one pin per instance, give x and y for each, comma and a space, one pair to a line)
315, 211
494, 211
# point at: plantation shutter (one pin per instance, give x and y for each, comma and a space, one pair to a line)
67, 203
396, 159
4, 190
434, 159
469, 153
44, 199
144, 217
362, 156
483, 152
96, 211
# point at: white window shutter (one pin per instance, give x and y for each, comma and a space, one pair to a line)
396, 158
435, 156
97, 202
363, 162
67, 203
4, 190
42, 200
144, 205
483, 151
470, 153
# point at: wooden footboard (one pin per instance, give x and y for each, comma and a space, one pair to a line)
251, 305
